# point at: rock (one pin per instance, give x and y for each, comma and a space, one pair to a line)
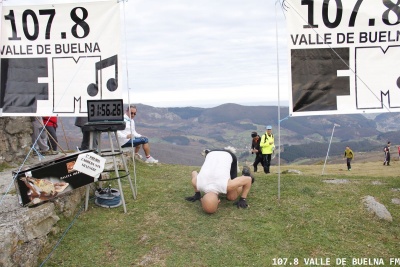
18, 125
377, 208
336, 181
9, 203
396, 201
23, 232
28, 253
6, 179
292, 171
15, 139
69, 203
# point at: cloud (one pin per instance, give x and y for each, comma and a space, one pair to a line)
178, 47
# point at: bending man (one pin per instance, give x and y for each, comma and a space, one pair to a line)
218, 176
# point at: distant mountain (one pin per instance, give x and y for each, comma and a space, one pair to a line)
177, 135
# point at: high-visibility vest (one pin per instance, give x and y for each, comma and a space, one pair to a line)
267, 148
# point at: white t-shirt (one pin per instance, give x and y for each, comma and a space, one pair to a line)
215, 172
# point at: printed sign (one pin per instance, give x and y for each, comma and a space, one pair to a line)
56, 57
90, 164
343, 56
48, 180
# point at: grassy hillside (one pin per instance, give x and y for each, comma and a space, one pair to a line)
189, 130
312, 219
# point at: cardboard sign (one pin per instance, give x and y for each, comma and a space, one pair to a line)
90, 164
48, 180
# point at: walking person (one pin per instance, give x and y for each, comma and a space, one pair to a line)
51, 127
255, 149
267, 145
348, 155
386, 149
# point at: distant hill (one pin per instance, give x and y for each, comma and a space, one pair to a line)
177, 135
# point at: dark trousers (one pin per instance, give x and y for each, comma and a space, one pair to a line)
387, 159
257, 160
85, 144
267, 162
348, 163
52, 138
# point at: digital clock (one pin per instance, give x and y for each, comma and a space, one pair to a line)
105, 110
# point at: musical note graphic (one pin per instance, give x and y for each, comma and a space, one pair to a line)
112, 83
398, 82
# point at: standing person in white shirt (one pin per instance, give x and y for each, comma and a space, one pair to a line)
130, 138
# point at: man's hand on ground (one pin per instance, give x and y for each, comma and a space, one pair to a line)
241, 203
193, 198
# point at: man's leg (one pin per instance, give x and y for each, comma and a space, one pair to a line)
257, 160
144, 143
146, 149
96, 139
197, 194
255, 164
267, 162
42, 141
85, 140
52, 138
39, 136
137, 148
194, 181
239, 186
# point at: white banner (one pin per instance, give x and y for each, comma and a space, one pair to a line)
344, 56
56, 57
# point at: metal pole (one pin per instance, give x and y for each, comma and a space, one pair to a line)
327, 153
279, 106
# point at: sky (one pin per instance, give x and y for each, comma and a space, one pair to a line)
202, 53
205, 53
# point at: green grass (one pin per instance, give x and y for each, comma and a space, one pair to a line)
311, 219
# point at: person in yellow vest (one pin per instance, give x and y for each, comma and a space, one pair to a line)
348, 155
267, 145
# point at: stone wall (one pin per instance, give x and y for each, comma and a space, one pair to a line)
15, 139
24, 231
